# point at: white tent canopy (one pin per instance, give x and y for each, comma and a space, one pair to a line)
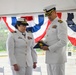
34, 6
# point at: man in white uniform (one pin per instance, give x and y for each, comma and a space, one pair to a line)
56, 39
23, 57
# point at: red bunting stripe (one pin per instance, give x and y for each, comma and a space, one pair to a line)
4, 19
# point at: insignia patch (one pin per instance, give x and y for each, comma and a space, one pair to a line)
54, 26
19, 37
60, 21
29, 37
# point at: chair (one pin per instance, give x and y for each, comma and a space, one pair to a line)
38, 69
2, 70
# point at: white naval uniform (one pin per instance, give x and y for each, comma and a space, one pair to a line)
21, 52
56, 39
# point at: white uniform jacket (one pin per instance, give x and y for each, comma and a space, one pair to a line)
56, 39
20, 49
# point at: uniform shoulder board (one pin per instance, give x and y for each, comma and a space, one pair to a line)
60, 21
29, 31
13, 32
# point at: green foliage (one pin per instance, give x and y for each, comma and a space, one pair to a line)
39, 50
3, 36
69, 44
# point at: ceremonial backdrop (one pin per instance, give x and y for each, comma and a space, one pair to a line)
38, 24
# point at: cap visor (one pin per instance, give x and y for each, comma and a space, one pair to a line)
24, 24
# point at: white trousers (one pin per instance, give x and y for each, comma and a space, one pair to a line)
23, 71
56, 69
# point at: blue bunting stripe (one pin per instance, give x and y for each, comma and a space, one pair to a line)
13, 20
70, 22
33, 29
36, 27
71, 25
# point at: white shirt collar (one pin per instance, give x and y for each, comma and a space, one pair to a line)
55, 19
20, 32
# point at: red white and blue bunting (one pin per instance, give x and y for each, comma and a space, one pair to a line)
38, 25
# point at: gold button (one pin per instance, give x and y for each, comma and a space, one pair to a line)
26, 42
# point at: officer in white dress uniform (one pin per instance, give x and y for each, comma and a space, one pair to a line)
23, 57
56, 39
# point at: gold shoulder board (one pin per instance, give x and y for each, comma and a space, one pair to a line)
60, 21
29, 31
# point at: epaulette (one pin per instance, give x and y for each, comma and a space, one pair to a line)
60, 21
14, 32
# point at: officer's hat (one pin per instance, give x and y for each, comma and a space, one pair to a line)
49, 9
21, 21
